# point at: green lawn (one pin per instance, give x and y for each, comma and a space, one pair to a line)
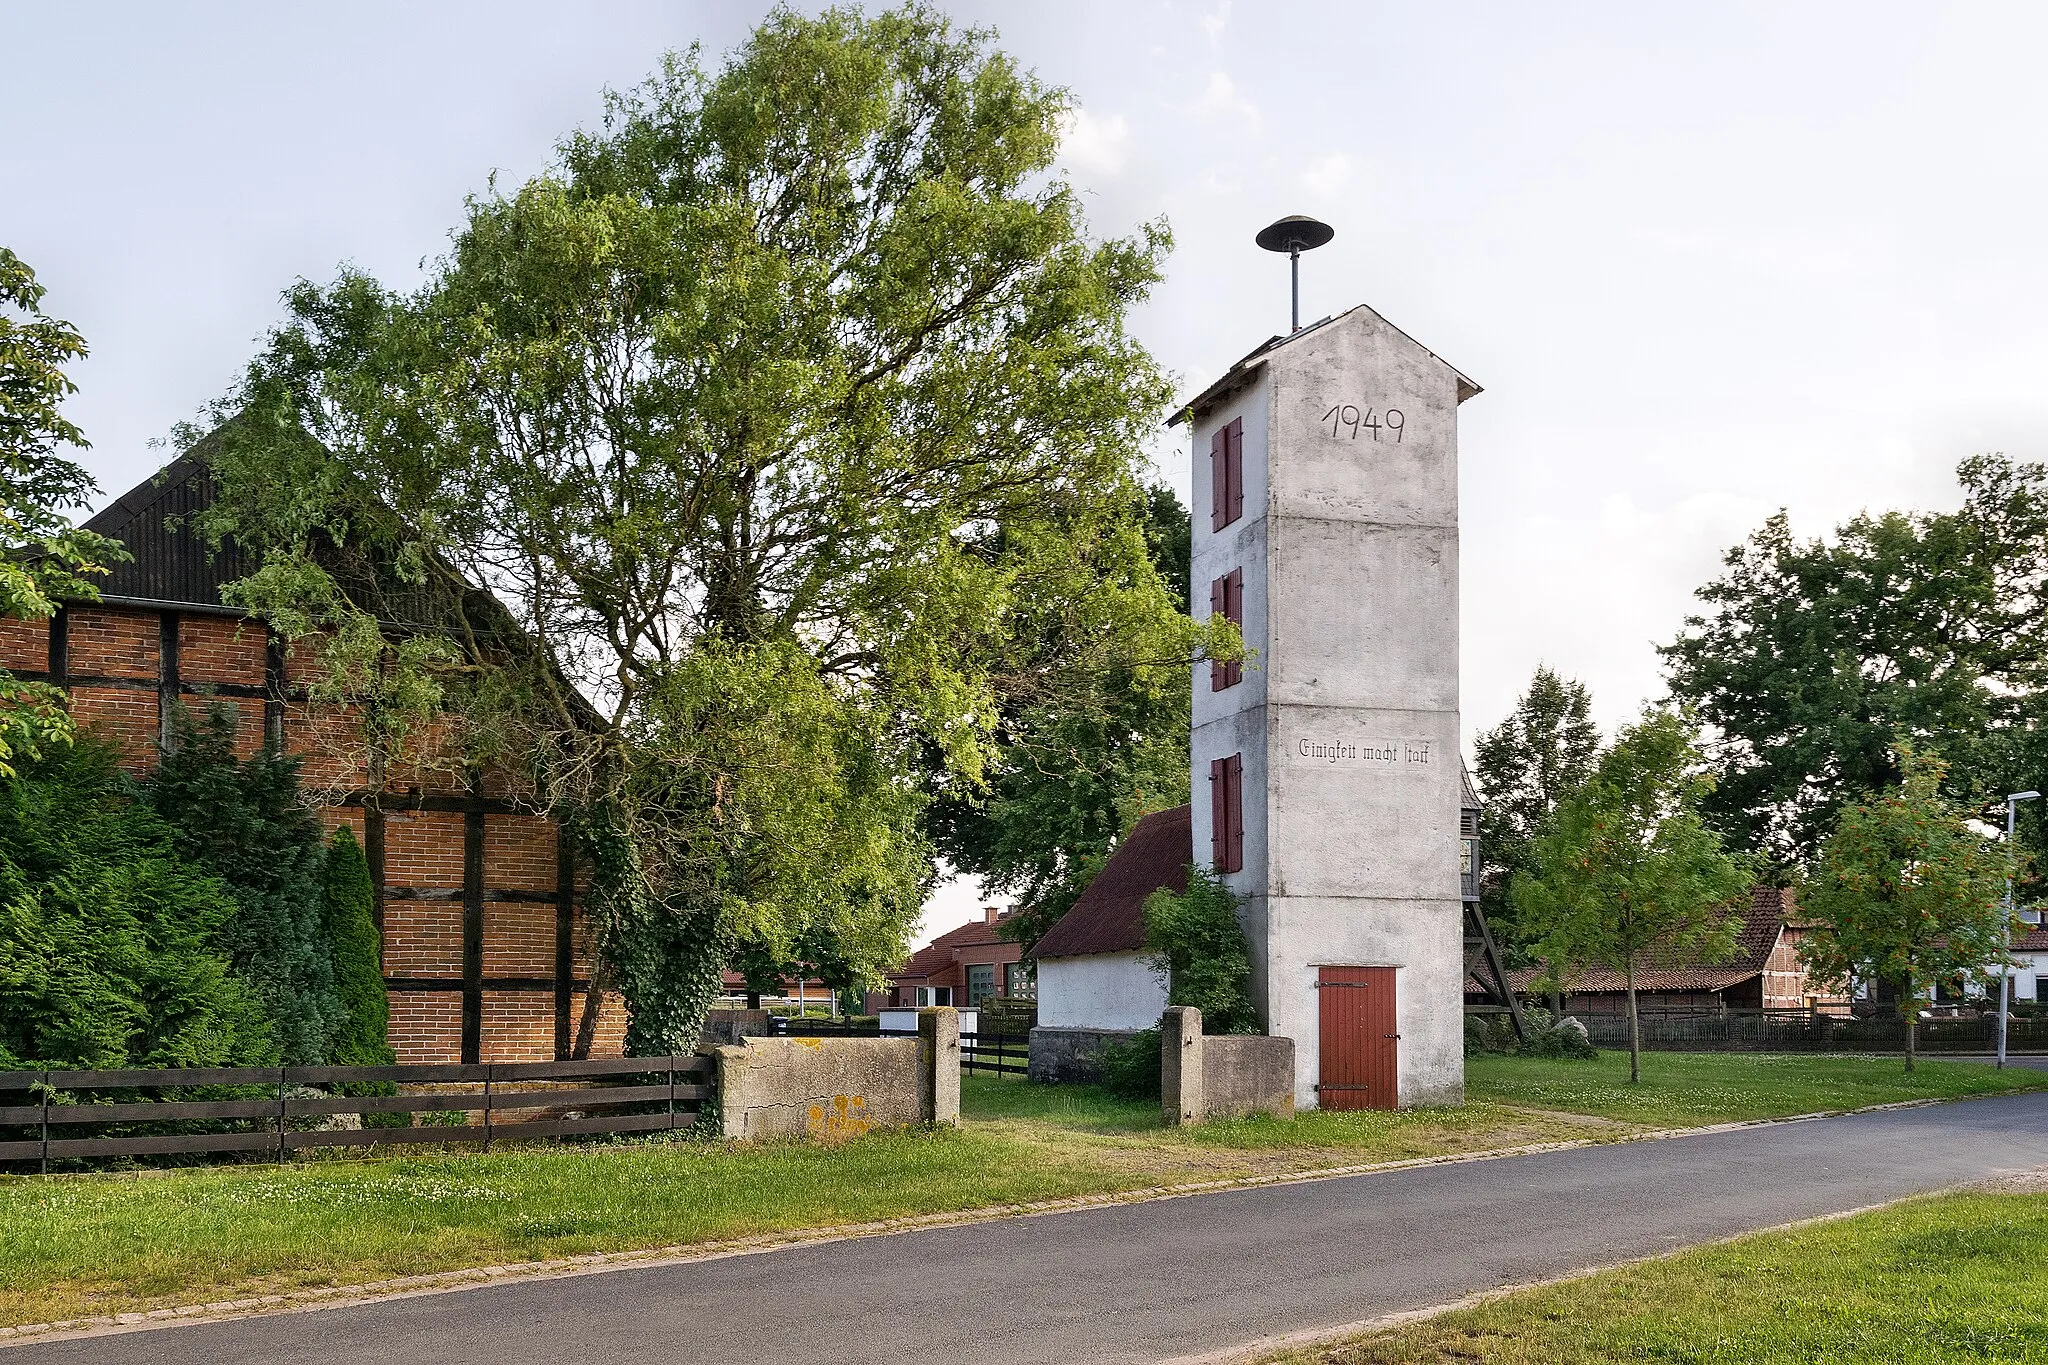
92, 1245
1933, 1282
1687, 1089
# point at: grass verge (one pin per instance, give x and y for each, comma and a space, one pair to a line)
96, 1245
1931, 1282
1691, 1089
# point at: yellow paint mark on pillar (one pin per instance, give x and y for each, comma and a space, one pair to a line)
846, 1117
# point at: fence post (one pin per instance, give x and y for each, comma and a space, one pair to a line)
490, 1069
671, 1092
938, 1060
43, 1167
280, 1116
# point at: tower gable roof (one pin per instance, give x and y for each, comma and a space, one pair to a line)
1246, 369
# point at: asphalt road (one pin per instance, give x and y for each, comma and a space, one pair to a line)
1145, 1282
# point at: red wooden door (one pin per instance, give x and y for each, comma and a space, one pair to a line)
1358, 1044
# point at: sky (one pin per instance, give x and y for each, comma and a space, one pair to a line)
1707, 261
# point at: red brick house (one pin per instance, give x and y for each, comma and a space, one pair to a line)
486, 952
1764, 974
964, 967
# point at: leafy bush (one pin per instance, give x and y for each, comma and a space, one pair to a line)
245, 821
107, 954
1200, 947
1564, 1038
1130, 1068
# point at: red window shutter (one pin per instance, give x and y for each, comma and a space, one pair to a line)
1219, 605
1219, 813
1235, 459
1233, 787
1219, 479
1233, 609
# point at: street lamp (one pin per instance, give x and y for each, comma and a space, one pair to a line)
2005, 969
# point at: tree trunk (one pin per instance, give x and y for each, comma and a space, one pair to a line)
1910, 1004
593, 1005
1635, 1034
753, 1000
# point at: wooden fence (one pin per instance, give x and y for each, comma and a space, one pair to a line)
1806, 1031
1005, 1054
278, 1111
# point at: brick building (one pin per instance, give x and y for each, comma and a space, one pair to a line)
486, 952
967, 966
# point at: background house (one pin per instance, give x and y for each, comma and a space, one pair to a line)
486, 953
964, 967
1765, 972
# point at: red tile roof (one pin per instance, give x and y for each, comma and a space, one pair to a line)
1763, 919
2034, 940
1110, 915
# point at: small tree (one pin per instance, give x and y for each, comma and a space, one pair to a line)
1199, 947
1906, 892
43, 557
1626, 874
347, 904
1541, 752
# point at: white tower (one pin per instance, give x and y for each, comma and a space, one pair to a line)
1326, 770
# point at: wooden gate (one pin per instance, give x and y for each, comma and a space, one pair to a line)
1358, 1044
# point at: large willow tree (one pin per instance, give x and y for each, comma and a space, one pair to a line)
776, 415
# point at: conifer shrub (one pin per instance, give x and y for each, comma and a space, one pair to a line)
245, 821
107, 936
348, 913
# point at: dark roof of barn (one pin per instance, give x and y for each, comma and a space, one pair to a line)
172, 562
1763, 920
1110, 915
174, 565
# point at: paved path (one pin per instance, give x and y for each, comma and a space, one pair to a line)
1144, 1282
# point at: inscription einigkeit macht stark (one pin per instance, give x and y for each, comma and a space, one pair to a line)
1391, 754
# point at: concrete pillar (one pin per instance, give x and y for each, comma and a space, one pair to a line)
938, 1065
1180, 1065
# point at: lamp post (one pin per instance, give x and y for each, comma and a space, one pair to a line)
2005, 968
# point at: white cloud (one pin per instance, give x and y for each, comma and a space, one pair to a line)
1327, 175
1214, 22
1220, 98
1099, 146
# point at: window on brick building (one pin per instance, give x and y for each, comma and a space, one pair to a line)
1019, 981
1226, 813
1226, 599
981, 982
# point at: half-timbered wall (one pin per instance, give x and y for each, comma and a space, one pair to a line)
486, 954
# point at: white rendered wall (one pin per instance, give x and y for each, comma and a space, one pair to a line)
1349, 547
1102, 990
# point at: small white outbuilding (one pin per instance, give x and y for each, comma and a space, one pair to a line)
1094, 974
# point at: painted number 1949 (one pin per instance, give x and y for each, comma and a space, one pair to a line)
1345, 419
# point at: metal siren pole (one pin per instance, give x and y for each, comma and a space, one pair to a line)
1295, 234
